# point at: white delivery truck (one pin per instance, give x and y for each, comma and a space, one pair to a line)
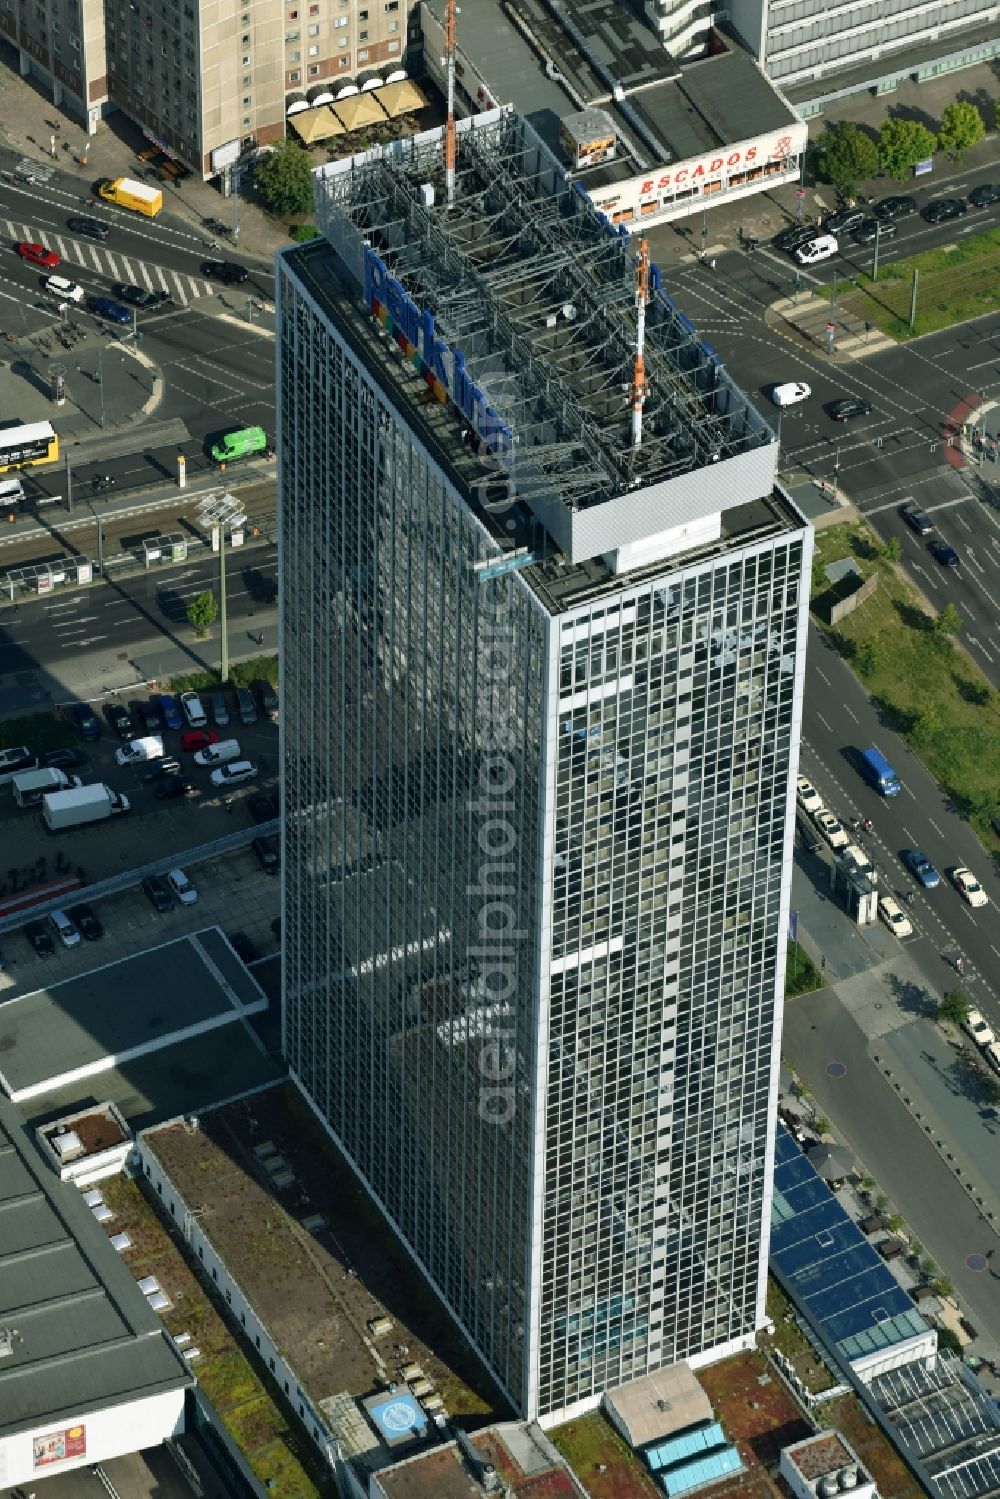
31, 785
137, 750
72, 809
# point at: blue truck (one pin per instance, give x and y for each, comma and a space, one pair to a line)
879, 773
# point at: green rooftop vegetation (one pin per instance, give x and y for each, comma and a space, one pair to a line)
252, 1412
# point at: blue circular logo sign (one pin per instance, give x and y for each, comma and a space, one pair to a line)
398, 1416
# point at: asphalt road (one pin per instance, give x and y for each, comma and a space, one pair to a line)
838, 718
897, 454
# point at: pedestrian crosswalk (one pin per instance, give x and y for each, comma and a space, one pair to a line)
91, 255
28, 170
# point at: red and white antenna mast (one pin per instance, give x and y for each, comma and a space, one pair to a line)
450, 136
639, 363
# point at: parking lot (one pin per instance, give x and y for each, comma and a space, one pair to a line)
233, 893
153, 828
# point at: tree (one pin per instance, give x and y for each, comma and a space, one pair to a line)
943, 1286
896, 1221
901, 144
927, 726
949, 621
284, 180
961, 127
868, 657
892, 551
202, 611
954, 1007
845, 156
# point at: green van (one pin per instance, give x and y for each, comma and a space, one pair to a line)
241, 444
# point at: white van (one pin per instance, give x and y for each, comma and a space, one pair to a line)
11, 493
218, 754
814, 250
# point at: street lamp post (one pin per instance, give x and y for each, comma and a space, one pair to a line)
100, 540
222, 513
100, 377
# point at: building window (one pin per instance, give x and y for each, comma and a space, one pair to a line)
392, 46
294, 76
245, 39
247, 120
345, 62
291, 36
363, 36
314, 70
246, 60
247, 100
393, 25
362, 55
341, 21
314, 31
314, 10
295, 56
344, 41
314, 50
293, 15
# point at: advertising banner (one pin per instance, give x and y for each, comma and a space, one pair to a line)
59, 1446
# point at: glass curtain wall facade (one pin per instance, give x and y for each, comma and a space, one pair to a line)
536, 864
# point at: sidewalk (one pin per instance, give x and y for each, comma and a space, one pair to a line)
27, 117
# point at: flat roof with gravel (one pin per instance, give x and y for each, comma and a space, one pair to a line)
119, 1013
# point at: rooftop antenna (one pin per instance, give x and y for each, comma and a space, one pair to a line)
639, 364
450, 137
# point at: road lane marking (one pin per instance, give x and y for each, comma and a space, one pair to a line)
824, 723
935, 827
848, 710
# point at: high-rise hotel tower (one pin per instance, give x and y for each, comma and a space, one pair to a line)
543, 624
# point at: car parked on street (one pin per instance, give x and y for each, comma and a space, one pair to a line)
895, 917
807, 796
64, 929
848, 406
154, 715
985, 194
267, 697
234, 773
843, 220
897, 206
193, 711
968, 886
39, 938
831, 829
157, 893
96, 228
38, 255
823, 247
939, 210
917, 520
179, 885
120, 719
794, 234
976, 1026
921, 868
86, 922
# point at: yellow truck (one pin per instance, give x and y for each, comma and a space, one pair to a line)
130, 194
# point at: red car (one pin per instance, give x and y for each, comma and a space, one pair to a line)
38, 255
198, 739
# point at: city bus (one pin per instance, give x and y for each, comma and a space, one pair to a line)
35, 443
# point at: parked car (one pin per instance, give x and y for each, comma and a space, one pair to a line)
96, 228
226, 271
849, 406
975, 1026
870, 230
823, 247
157, 893
807, 796
198, 739
87, 923
794, 234
895, 917
262, 806
154, 715
159, 769
895, 207
38, 255
87, 721
120, 720
65, 759
985, 194
791, 393
843, 220
243, 947
219, 709
268, 698
941, 209
174, 786
170, 709
831, 829
179, 885
267, 855
233, 773
193, 710
64, 929
968, 886
917, 520
39, 938
141, 719
943, 553
921, 868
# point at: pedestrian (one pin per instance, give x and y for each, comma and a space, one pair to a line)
712, 262
260, 639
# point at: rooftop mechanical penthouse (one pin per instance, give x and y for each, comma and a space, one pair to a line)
543, 628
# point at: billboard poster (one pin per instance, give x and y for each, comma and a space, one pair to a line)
59, 1446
